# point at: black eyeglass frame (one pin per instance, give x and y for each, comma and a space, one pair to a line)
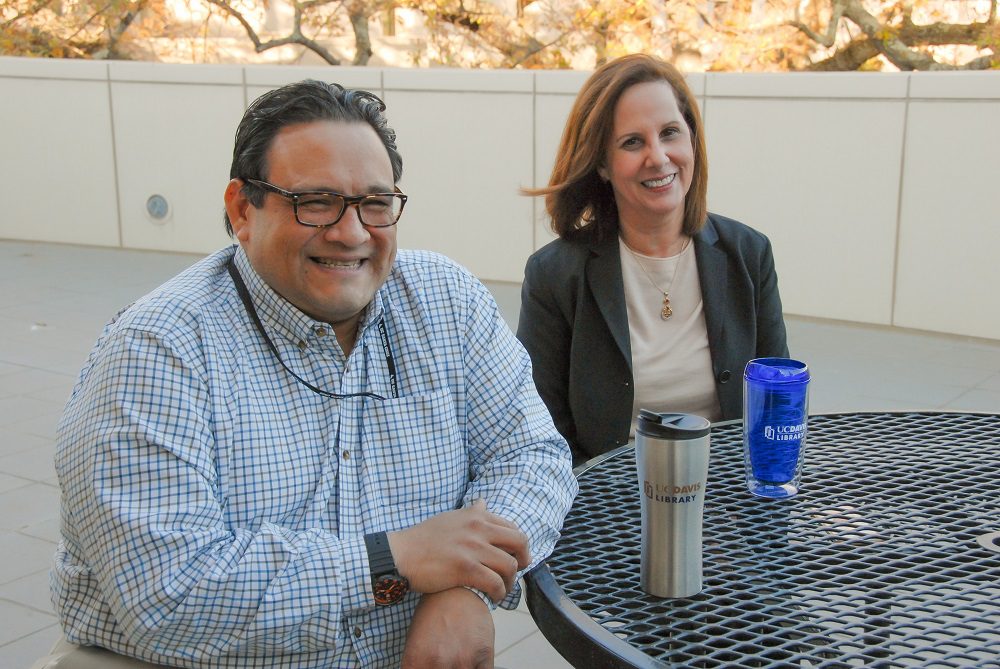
349, 201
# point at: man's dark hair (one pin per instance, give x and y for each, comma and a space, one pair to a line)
302, 102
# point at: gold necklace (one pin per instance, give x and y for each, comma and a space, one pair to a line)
665, 311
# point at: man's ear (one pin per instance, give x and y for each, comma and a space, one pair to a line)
236, 208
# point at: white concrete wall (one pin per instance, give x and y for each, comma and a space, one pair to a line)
879, 191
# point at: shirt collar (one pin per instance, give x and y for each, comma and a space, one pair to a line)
285, 318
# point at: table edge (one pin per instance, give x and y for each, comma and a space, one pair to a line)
546, 600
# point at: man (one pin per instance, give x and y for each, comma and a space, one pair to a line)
306, 450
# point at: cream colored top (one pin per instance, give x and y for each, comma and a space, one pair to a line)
671, 362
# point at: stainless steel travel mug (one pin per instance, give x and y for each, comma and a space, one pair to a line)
671, 455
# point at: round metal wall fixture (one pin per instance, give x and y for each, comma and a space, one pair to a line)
158, 208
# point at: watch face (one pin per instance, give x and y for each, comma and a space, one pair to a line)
389, 589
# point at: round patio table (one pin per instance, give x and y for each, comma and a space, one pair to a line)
888, 557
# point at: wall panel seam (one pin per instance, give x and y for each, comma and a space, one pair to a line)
899, 204
114, 157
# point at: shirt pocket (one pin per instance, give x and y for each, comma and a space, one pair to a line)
415, 459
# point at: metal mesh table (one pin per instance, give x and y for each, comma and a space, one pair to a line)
887, 557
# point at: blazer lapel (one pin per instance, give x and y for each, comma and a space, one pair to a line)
604, 276
713, 273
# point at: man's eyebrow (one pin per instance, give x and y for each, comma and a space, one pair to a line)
374, 188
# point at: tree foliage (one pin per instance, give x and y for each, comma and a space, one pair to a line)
732, 35
85, 29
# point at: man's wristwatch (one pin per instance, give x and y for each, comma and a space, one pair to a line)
388, 586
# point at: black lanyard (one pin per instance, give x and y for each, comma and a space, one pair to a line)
390, 361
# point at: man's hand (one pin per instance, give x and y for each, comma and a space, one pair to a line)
468, 547
452, 629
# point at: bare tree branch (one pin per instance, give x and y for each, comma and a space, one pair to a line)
362, 41
123, 23
937, 34
538, 47
828, 38
295, 38
86, 22
847, 58
491, 31
39, 6
981, 63
896, 43
887, 41
225, 7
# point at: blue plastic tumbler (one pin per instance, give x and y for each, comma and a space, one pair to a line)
775, 418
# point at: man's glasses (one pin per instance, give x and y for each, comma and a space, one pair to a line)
321, 209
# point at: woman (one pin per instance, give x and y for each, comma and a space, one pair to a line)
646, 300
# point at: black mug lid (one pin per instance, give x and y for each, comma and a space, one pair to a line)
672, 425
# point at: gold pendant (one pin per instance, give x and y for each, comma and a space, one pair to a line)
666, 312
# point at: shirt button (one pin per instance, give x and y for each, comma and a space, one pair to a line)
357, 632
625, 383
320, 332
725, 376
347, 455
302, 345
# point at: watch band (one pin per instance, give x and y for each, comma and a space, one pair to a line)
388, 586
379, 555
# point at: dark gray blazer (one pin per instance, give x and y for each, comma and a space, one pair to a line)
575, 326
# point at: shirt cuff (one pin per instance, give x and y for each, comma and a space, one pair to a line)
483, 596
510, 602
513, 598
357, 575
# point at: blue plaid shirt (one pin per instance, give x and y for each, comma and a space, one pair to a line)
214, 509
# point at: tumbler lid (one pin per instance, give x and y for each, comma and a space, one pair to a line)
776, 370
672, 425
